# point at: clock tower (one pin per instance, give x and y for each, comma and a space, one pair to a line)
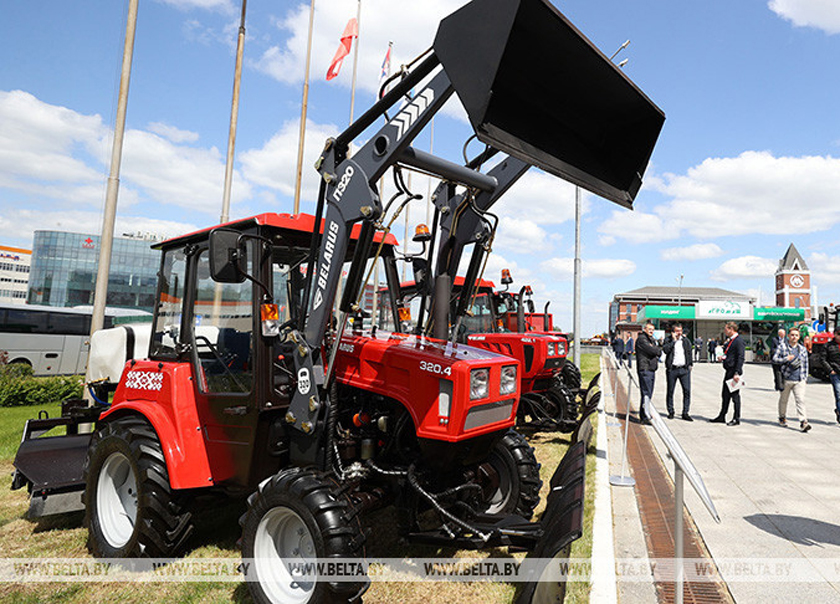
793, 282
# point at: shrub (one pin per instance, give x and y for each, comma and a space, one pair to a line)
19, 387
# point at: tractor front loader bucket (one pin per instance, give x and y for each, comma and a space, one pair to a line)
535, 87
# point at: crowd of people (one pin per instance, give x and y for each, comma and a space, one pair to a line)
789, 354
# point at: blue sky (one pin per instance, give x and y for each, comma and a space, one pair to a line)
747, 163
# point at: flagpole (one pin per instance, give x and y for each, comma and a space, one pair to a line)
386, 73
234, 115
303, 110
109, 218
355, 58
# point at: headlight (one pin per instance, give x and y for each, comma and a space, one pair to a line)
561, 348
508, 383
551, 349
479, 383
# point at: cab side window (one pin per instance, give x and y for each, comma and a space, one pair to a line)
223, 332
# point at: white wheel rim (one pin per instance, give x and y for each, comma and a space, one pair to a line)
116, 500
283, 540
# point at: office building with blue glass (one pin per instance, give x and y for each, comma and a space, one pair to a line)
64, 266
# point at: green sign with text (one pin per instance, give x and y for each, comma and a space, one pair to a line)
778, 313
669, 312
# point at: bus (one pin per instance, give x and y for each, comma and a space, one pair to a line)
54, 340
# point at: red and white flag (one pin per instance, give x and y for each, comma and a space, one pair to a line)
385, 72
344, 45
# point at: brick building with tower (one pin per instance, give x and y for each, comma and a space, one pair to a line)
793, 282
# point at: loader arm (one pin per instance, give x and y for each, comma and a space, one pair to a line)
460, 225
350, 196
600, 138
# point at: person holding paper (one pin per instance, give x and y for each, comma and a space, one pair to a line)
792, 358
733, 366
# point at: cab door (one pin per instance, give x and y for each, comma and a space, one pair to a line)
224, 356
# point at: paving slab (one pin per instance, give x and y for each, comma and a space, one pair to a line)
775, 488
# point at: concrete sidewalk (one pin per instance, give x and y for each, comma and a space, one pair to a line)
775, 489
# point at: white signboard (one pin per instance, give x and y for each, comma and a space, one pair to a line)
724, 310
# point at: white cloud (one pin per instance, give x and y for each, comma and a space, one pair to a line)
824, 268
754, 193
22, 223
274, 164
541, 198
605, 268
698, 251
173, 134
820, 14
57, 157
410, 25
635, 227
180, 176
521, 236
745, 267
223, 6
38, 141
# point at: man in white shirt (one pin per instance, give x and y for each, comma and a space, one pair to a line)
678, 361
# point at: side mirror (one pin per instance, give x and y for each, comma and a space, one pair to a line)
228, 257
420, 268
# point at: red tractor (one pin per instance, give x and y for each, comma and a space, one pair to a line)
517, 309
828, 318
547, 401
315, 425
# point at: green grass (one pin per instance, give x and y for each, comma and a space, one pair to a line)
218, 531
12, 420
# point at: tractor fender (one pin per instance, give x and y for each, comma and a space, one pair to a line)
172, 412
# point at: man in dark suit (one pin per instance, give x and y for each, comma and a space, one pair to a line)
618, 348
778, 380
733, 365
647, 359
678, 361
830, 361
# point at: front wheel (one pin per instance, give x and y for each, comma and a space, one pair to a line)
511, 477
130, 508
571, 375
296, 518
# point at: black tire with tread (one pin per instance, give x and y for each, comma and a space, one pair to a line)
331, 517
163, 523
565, 400
518, 460
571, 375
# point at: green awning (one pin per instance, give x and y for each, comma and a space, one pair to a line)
777, 313
668, 312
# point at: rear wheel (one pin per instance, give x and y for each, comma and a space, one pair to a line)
511, 477
131, 510
296, 517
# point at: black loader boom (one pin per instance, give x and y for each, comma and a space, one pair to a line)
601, 138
